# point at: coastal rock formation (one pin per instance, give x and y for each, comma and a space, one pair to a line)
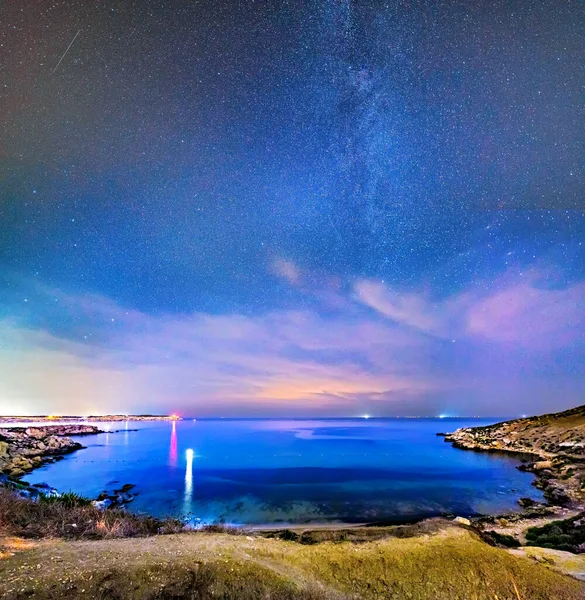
90, 419
24, 449
555, 443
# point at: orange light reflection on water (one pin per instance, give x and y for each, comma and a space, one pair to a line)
173, 447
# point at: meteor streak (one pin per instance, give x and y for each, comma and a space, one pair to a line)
64, 53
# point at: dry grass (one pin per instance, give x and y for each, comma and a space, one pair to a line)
452, 564
74, 519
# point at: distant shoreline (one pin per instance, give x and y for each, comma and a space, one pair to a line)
89, 419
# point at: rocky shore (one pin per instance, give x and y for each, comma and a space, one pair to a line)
90, 419
551, 446
23, 449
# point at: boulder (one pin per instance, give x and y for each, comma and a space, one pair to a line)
462, 521
526, 502
542, 464
557, 496
125, 488
46, 490
36, 432
102, 504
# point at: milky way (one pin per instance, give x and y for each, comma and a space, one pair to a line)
292, 208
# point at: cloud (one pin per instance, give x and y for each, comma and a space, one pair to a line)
281, 361
411, 309
380, 351
534, 317
515, 309
287, 270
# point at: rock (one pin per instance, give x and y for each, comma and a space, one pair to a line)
42, 486
102, 504
526, 502
542, 464
557, 496
23, 449
125, 497
125, 488
46, 490
462, 521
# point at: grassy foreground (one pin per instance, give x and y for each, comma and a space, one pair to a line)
450, 563
72, 516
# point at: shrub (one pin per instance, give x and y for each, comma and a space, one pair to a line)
560, 535
72, 516
68, 500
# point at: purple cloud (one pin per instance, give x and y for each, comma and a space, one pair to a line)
381, 351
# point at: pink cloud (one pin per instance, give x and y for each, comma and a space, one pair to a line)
411, 309
287, 270
379, 345
525, 314
515, 309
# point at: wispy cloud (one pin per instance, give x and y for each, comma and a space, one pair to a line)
381, 350
515, 309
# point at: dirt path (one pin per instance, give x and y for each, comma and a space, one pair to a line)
518, 529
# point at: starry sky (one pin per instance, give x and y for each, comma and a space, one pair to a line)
283, 208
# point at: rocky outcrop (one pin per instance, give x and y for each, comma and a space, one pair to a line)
24, 449
90, 419
553, 447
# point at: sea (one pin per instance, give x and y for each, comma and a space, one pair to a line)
277, 472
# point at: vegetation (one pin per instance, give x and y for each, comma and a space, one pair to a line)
433, 559
501, 539
452, 564
566, 535
72, 516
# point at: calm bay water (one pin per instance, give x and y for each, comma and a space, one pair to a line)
293, 471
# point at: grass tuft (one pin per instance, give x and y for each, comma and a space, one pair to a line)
72, 516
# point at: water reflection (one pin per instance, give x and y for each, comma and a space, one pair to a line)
188, 480
173, 447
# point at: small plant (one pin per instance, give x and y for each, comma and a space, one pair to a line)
68, 500
288, 535
502, 539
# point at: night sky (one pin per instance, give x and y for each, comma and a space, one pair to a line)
292, 208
